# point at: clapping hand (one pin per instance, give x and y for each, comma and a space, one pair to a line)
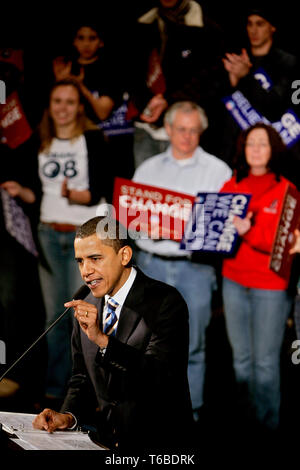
237, 66
62, 70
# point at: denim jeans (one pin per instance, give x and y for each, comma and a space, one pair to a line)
195, 282
59, 281
256, 321
144, 146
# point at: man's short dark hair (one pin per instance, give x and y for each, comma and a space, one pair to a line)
110, 231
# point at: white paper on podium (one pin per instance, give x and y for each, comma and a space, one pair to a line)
20, 425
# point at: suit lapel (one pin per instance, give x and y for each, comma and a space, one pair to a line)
130, 313
127, 323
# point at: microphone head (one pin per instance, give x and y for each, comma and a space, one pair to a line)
82, 292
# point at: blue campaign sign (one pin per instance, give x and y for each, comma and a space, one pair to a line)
210, 227
117, 123
245, 115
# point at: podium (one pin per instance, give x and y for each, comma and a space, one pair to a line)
17, 433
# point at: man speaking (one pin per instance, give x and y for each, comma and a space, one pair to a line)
130, 350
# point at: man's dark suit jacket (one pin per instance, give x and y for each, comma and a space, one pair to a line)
140, 383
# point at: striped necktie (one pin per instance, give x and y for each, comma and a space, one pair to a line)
111, 320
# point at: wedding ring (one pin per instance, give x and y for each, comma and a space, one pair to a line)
86, 314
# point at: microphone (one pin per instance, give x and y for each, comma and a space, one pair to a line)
81, 293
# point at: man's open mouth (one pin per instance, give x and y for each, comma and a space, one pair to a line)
94, 283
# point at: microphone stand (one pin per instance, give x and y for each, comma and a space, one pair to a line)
80, 294
35, 342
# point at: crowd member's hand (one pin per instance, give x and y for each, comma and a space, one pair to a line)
74, 196
15, 189
87, 316
242, 225
154, 109
79, 78
50, 420
296, 247
64, 188
237, 66
61, 69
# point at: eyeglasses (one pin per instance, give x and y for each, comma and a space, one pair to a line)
194, 131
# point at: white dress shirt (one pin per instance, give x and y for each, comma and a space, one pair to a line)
120, 296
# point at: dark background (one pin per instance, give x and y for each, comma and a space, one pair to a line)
44, 29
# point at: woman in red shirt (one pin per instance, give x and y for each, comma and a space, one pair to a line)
256, 303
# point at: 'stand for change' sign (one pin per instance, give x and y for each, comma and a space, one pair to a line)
210, 227
150, 211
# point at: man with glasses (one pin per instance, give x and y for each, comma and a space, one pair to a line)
184, 167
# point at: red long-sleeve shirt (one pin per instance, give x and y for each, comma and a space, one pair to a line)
250, 266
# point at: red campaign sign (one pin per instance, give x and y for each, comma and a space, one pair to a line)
14, 127
154, 211
289, 220
155, 77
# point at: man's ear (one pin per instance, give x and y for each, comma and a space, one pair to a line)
126, 254
168, 129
